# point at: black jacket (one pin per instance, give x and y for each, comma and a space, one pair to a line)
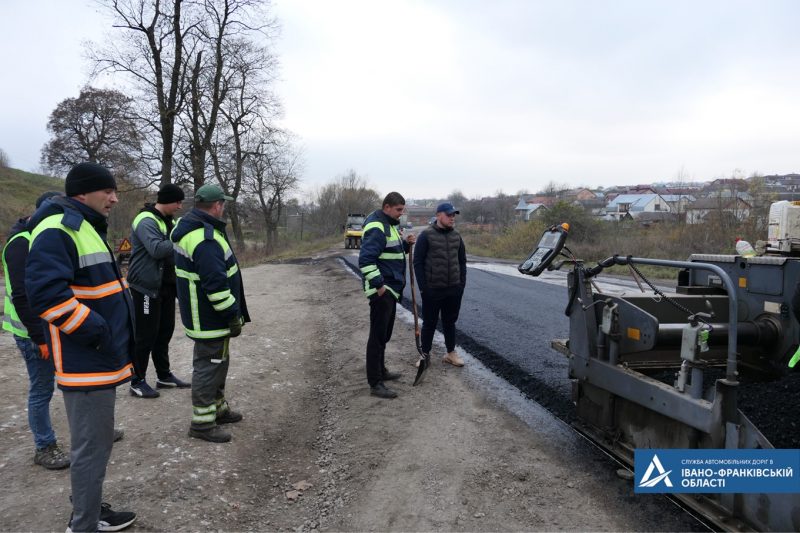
440, 259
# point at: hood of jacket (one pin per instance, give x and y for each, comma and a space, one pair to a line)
18, 227
73, 210
195, 219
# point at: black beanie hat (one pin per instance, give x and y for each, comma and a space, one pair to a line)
170, 193
88, 177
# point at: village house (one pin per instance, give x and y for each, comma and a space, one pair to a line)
581, 194
703, 208
526, 210
631, 205
678, 202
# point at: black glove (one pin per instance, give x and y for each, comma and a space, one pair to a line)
235, 326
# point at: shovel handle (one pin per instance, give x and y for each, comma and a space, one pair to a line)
414, 300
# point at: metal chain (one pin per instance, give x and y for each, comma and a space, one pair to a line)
658, 292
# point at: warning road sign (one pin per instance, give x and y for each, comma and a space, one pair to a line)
124, 246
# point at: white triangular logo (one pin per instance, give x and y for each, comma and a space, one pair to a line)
655, 464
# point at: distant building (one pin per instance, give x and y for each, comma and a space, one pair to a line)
678, 202
729, 184
703, 208
419, 215
580, 195
595, 207
640, 189
547, 201
526, 211
650, 218
633, 205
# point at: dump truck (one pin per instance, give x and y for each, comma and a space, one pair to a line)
354, 230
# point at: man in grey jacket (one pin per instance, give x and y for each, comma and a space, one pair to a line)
151, 276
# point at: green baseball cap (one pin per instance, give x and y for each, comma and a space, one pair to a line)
210, 193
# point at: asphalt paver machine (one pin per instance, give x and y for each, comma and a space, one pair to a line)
656, 370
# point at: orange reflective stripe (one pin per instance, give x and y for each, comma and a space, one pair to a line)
55, 341
125, 283
76, 319
94, 378
100, 291
60, 309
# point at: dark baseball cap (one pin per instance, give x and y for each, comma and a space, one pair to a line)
210, 193
447, 208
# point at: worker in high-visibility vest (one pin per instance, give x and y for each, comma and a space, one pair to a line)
74, 284
213, 308
151, 276
382, 261
28, 331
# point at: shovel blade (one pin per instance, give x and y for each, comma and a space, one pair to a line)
423, 365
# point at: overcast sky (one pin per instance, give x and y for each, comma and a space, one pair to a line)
425, 97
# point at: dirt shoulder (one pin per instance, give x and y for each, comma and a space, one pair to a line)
315, 450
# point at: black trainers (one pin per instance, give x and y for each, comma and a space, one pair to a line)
110, 520
215, 434
52, 457
390, 376
229, 417
382, 391
171, 382
143, 390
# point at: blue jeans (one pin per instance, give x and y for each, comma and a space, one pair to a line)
41, 375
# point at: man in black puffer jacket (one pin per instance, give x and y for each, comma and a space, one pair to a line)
440, 265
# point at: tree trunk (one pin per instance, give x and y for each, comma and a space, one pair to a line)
236, 225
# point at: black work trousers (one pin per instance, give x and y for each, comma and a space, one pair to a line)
382, 311
446, 302
155, 322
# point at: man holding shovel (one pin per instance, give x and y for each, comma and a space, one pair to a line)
382, 261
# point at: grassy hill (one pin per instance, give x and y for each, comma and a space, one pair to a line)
18, 193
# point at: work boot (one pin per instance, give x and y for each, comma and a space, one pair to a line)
382, 391
453, 359
229, 417
51, 457
390, 376
214, 434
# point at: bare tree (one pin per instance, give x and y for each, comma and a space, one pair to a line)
96, 126
247, 113
457, 198
4, 161
151, 53
553, 189
227, 60
273, 173
348, 193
